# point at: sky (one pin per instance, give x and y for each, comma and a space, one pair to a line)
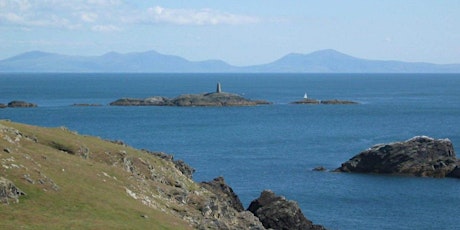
238, 32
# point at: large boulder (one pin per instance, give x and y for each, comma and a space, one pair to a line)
418, 156
276, 212
2, 106
21, 104
9, 192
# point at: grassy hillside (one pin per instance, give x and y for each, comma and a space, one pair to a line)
73, 182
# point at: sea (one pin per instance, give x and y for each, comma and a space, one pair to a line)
272, 146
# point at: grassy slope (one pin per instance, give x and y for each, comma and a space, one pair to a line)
75, 192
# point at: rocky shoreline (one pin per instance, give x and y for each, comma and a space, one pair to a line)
208, 99
149, 179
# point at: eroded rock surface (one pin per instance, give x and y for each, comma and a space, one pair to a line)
418, 156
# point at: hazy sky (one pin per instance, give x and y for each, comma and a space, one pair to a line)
238, 32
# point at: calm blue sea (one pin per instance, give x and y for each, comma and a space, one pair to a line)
275, 146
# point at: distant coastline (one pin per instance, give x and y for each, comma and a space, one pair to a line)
322, 61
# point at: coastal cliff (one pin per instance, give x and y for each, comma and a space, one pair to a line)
57, 179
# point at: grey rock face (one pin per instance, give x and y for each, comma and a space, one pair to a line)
418, 156
276, 212
219, 187
9, 191
223, 209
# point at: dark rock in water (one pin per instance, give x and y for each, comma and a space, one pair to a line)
324, 102
338, 102
308, 101
278, 213
85, 105
2, 106
151, 101
419, 156
219, 187
456, 172
320, 169
9, 191
21, 104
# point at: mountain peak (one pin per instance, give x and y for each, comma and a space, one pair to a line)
30, 55
329, 53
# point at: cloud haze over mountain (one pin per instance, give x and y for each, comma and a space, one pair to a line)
323, 61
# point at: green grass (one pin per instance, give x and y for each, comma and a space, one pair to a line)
86, 198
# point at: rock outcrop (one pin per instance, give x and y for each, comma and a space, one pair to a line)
9, 192
21, 104
219, 187
324, 102
418, 156
223, 209
276, 212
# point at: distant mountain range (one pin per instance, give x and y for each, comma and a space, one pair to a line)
323, 61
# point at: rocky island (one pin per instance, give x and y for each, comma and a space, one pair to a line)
419, 156
217, 98
53, 178
18, 104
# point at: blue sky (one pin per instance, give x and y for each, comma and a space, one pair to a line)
238, 32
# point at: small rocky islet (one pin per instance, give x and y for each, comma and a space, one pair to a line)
309, 101
18, 104
212, 99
